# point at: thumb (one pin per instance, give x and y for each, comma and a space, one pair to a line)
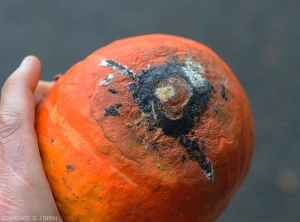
22, 179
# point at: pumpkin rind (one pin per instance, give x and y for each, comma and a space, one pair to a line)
149, 128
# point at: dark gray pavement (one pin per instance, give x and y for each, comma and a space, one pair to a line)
259, 40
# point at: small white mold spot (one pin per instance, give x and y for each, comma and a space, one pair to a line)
148, 66
107, 81
209, 175
103, 63
194, 72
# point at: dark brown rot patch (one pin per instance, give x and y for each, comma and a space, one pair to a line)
113, 110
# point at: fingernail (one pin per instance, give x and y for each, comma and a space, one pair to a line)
24, 61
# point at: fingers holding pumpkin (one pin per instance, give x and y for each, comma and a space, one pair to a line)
42, 91
17, 98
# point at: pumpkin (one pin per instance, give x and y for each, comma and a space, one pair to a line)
149, 128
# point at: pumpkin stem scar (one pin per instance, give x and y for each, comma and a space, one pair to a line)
57, 76
122, 69
165, 93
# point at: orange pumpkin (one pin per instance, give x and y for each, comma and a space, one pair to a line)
149, 128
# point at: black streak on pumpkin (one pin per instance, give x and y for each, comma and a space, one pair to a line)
122, 68
196, 154
223, 92
113, 110
112, 91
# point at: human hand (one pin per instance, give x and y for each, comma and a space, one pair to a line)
24, 189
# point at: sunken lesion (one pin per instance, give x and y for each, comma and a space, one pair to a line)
176, 112
171, 99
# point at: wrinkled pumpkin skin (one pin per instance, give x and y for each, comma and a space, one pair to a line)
150, 128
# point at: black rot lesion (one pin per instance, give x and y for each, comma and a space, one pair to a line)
113, 110
196, 153
112, 91
143, 93
150, 125
223, 92
122, 68
154, 146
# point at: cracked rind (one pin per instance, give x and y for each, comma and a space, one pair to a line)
116, 176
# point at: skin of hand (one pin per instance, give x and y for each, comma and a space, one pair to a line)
24, 189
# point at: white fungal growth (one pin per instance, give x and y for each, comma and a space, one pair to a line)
118, 66
209, 175
194, 72
107, 81
103, 63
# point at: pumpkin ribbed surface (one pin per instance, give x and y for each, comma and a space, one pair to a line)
149, 128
